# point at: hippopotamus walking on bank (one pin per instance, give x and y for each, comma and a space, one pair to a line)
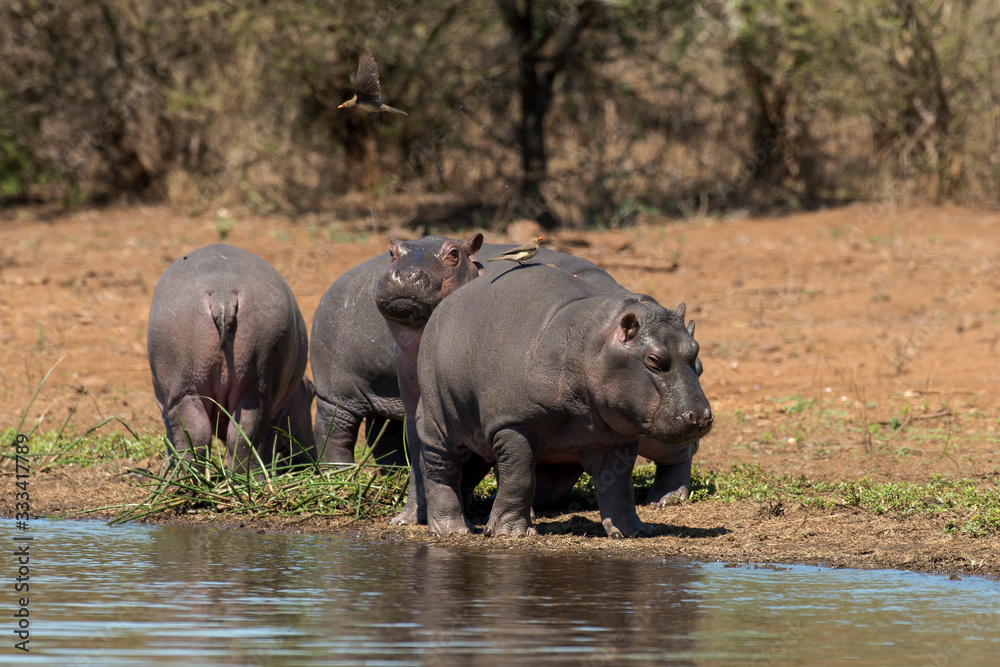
225, 333
353, 357
420, 275
536, 366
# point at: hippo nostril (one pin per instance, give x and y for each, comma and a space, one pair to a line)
689, 414
709, 417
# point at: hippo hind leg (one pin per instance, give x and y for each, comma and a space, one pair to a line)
441, 475
336, 432
672, 483
246, 434
189, 427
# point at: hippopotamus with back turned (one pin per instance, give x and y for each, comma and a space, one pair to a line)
535, 366
225, 333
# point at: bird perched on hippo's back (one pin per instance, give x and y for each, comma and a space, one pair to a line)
521, 253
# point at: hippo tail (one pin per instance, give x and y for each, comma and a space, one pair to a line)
224, 306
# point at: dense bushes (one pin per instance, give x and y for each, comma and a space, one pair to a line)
643, 106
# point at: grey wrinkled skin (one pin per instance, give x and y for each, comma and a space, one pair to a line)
225, 327
354, 368
420, 275
353, 358
534, 367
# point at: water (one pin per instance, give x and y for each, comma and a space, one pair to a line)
135, 595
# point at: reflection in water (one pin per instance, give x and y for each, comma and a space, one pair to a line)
173, 594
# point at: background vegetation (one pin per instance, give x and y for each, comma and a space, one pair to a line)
576, 112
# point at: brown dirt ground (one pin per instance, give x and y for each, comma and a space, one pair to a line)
812, 326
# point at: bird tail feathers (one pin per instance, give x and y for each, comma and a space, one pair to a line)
398, 112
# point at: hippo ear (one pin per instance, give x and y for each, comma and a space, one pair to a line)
681, 309
691, 327
630, 326
475, 243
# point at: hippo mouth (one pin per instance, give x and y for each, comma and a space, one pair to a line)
681, 428
406, 311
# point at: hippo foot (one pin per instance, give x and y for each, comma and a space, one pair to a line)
408, 517
675, 497
634, 529
517, 528
451, 526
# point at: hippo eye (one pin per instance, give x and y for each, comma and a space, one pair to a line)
698, 368
453, 253
656, 364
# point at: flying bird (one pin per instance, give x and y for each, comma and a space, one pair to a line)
367, 92
521, 253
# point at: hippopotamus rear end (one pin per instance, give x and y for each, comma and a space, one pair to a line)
225, 333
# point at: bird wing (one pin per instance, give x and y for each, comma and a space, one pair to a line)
521, 248
366, 80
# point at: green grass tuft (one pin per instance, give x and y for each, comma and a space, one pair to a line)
979, 508
201, 482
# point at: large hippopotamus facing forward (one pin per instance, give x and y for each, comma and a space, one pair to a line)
225, 332
536, 366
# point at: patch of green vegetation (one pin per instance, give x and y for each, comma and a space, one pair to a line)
56, 448
201, 482
749, 482
979, 507
796, 404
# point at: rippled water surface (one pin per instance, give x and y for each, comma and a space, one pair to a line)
136, 595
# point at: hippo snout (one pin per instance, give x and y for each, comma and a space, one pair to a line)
682, 425
702, 420
407, 297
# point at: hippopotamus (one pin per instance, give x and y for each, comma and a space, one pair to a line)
536, 366
353, 358
225, 334
420, 275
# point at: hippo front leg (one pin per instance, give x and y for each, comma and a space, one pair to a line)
612, 473
415, 509
515, 466
672, 483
